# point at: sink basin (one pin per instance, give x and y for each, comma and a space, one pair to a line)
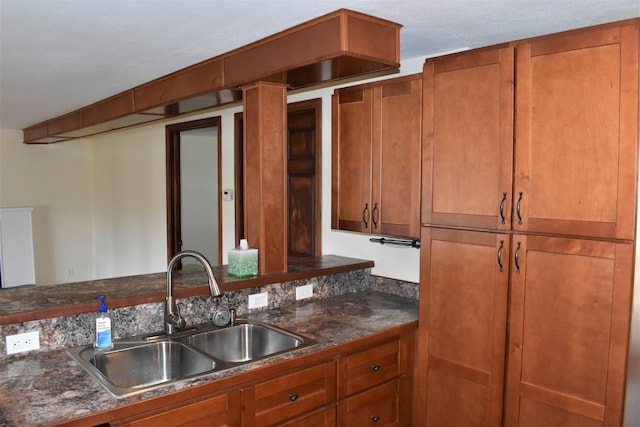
244, 342
136, 365
135, 368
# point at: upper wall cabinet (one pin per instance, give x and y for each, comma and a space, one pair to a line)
576, 133
576, 124
468, 139
376, 157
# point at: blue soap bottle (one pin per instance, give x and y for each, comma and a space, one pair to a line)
103, 327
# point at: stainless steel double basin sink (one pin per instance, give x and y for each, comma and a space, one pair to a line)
138, 364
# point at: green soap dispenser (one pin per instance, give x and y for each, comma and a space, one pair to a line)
103, 327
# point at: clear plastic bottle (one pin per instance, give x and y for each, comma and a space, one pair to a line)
103, 327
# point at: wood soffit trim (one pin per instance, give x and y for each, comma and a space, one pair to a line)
339, 45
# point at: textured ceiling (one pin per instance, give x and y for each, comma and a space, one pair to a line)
59, 55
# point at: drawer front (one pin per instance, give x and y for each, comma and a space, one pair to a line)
291, 395
377, 407
219, 411
368, 368
325, 417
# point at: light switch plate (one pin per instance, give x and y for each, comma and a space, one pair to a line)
305, 291
258, 300
20, 343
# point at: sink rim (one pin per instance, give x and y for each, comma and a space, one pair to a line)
83, 354
303, 341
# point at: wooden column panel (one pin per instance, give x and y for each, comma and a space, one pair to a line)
265, 173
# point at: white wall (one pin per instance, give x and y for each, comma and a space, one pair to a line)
55, 180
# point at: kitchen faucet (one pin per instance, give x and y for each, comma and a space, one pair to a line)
173, 322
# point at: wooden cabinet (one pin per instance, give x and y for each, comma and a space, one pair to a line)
369, 383
376, 157
576, 122
271, 402
529, 243
219, 411
569, 329
463, 317
576, 133
468, 139
375, 407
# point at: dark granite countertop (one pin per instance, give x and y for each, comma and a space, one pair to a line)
51, 388
28, 303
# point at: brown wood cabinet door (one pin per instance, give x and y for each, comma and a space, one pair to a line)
576, 133
396, 157
569, 327
351, 160
462, 330
468, 139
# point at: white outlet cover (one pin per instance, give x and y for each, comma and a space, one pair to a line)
20, 343
258, 300
305, 291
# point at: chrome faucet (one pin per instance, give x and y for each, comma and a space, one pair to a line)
173, 322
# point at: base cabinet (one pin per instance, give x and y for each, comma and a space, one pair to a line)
568, 326
363, 384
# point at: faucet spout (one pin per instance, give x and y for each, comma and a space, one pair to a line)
172, 318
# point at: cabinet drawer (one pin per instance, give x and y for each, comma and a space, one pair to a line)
274, 401
219, 411
368, 368
325, 417
376, 407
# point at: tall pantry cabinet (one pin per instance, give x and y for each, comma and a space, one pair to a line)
528, 212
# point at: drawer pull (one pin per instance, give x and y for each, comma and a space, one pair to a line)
375, 418
293, 397
375, 368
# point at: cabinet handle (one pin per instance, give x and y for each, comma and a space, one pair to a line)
517, 259
373, 216
518, 209
365, 213
375, 418
504, 199
375, 368
293, 397
500, 254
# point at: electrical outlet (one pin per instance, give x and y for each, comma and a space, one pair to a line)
20, 343
258, 300
305, 291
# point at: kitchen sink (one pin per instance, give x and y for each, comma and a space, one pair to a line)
244, 342
135, 368
136, 364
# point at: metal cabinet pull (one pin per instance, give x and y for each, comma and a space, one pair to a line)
375, 418
518, 209
517, 259
365, 214
504, 199
373, 216
500, 254
375, 368
293, 397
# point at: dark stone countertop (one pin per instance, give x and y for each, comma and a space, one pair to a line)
51, 388
28, 303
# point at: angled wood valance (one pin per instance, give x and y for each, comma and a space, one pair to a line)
342, 44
